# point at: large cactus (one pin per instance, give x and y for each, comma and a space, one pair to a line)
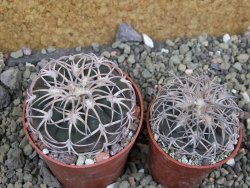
80, 104
195, 118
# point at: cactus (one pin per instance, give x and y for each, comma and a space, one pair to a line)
80, 104
195, 119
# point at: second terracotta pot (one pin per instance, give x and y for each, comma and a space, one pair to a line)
97, 175
174, 174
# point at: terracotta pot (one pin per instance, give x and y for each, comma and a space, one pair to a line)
96, 175
173, 174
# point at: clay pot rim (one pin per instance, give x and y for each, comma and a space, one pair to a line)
139, 102
211, 166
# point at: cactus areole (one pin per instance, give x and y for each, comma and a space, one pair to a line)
80, 104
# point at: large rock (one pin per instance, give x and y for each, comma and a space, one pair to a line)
4, 97
11, 78
126, 33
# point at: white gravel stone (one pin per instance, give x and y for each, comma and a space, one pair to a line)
80, 160
147, 40
45, 151
231, 162
189, 71
89, 161
226, 38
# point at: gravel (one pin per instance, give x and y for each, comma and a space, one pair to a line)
226, 57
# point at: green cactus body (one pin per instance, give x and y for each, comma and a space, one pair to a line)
195, 118
80, 104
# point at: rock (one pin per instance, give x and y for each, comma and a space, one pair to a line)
105, 54
67, 158
226, 38
45, 151
2, 64
121, 59
182, 67
78, 49
101, 156
42, 63
131, 59
147, 40
51, 49
126, 33
237, 66
131, 181
163, 50
89, 161
17, 54
27, 178
113, 185
11, 78
124, 184
126, 49
44, 51
224, 66
231, 162
175, 60
27, 150
15, 159
189, 71
145, 181
221, 180
26, 51
26, 74
224, 46
4, 97
48, 178
80, 160
95, 47
184, 49
243, 58
115, 148
146, 74
13, 126
248, 124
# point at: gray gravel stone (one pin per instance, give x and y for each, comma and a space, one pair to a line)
124, 184
126, 33
243, 58
95, 47
146, 74
17, 54
27, 150
237, 66
182, 67
184, 49
105, 54
126, 49
175, 60
51, 49
4, 97
145, 181
221, 180
131, 59
121, 58
15, 159
11, 78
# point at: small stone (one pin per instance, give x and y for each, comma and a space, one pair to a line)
27, 178
126, 49
89, 161
175, 60
131, 59
45, 151
237, 66
226, 38
243, 58
224, 66
95, 47
126, 33
13, 126
27, 150
182, 67
26, 74
44, 51
141, 171
115, 148
145, 181
189, 71
146, 74
121, 59
163, 50
113, 53
147, 40
78, 49
105, 54
17, 54
113, 185
231, 162
131, 181
224, 46
15, 159
43, 186
51, 49
11, 78
4, 97
221, 180
26, 51
184, 49
67, 158
245, 96
80, 160
248, 124
124, 184
101, 156
156, 137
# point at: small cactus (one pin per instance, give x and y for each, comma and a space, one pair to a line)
195, 117
80, 104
